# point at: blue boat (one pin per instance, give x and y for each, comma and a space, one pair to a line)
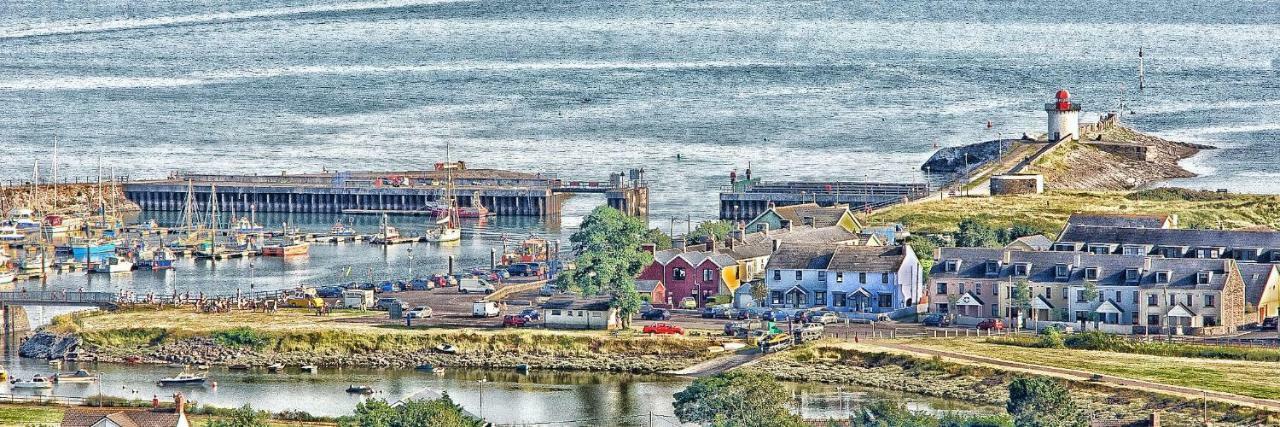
89, 250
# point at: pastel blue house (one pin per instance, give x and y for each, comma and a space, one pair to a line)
856, 279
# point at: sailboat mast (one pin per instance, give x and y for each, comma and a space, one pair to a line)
55, 175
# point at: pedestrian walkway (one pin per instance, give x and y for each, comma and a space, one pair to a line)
720, 364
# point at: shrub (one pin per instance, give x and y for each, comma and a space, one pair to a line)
240, 337
1051, 338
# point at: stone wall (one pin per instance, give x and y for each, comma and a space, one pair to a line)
1005, 185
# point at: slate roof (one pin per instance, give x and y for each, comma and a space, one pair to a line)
646, 286
831, 234
1111, 268
821, 216
797, 256
1036, 242
87, 417
1171, 237
1255, 280
1118, 220
572, 303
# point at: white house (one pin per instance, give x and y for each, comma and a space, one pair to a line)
860, 279
580, 313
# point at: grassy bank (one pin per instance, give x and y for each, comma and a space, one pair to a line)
51, 415
299, 334
871, 366
1243, 377
1049, 211
1104, 342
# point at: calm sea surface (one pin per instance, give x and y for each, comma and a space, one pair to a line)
801, 89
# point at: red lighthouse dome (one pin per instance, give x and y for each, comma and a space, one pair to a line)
1063, 95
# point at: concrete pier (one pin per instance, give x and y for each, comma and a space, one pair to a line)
501, 192
749, 198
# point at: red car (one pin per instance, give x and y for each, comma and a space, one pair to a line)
663, 328
515, 320
995, 324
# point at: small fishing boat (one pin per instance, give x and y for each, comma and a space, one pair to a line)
341, 230
275, 367
184, 378
387, 234
286, 247
447, 349
359, 389
37, 382
80, 376
310, 369
239, 367
245, 225
10, 233
54, 225
86, 249
36, 263
113, 264
156, 259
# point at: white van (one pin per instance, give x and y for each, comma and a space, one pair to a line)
475, 284
484, 308
357, 299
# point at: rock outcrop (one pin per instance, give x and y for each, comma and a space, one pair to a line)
966, 157
47, 345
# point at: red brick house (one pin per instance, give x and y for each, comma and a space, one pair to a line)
693, 274
654, 291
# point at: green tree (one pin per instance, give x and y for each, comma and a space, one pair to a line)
440, 412
1042, 402
736, 398
609, 258
924, 246
1089, 294
718, 230
245, 416
1021, 297
974, 233
659, 239
759, 292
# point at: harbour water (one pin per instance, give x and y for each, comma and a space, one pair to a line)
504, 397
584, 88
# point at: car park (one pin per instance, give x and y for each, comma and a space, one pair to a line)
663, 329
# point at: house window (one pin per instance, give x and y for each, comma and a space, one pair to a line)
1020, 269
799, 275
960, 288
1064, 247
1091, 273
1080, 295
942, 308
977, 289
707, 274
1171, 299
884, 277
1119, 298
995, 311
1135, 297
942, 288
837, 299
1203, 277
839, 277
1048, 292
1153, 320
1152, 301
822, 276
775, 297
555, 312
953, 265
993, 267
820, 298
1099, 250
777, 274
1208, 300
1162, 277
1189, 300
1132, 250
862, 278
886, 300
677, 273
1131, 275
1210, 321
1061, 271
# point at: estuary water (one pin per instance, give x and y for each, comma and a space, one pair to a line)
799, 89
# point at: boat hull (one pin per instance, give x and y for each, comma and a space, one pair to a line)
286, 250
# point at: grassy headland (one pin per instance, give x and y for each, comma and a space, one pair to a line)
1049, 211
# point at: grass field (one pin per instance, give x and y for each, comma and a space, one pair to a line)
1248, 378
1049, 211
29, 415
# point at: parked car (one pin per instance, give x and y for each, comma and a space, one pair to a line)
663, 329
688, 303
330, 292
386, 303
656, 314
514, 320
775, 316
743, 314
419, 312
474, 284
421, 285
525, 269
936, 320
484, 308
992, 323
1269, 323
531, 314
825, 318
708, 313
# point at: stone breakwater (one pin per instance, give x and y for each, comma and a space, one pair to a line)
206, 350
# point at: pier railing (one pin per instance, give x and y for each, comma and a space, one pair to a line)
58, 298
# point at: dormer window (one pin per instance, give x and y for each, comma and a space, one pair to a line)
1134, 250
1092, 273
1246, 254
952, 266
1132, 275
1062, 271
1100, 249
1064, 247
1208, 253
1021, 269
1162, 277
1204, 277
993, 267
1173, 251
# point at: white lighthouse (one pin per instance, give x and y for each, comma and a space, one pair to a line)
1064, 117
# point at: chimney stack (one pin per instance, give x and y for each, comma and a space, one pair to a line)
677, 243
711, 244
776, 244
649, 248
